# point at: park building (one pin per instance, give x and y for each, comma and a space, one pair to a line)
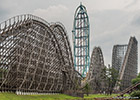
125, 61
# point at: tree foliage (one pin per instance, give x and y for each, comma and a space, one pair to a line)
87, 89
136, 80
110, 77
135, 94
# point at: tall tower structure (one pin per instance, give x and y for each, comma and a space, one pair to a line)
81, 40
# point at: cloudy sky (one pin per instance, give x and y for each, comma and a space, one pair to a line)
111, 21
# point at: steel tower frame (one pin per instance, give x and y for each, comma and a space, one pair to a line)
81, 33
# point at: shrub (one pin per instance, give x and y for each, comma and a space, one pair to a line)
135, 94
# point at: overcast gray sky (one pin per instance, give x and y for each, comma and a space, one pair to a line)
111, 21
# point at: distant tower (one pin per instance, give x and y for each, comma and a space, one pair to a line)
81, 40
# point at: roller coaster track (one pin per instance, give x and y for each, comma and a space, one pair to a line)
35, 56
95, 70
130, 89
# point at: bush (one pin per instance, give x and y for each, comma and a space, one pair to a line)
135, 94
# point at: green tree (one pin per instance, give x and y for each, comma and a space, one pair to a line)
136, 80
86, 89
135, 94
110, 77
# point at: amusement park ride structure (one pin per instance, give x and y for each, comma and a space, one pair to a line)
35, 56
81, 40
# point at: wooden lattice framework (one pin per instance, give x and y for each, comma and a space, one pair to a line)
96, 67
35, 56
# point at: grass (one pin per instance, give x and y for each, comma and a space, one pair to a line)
12, 96
103, 95
99, 95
